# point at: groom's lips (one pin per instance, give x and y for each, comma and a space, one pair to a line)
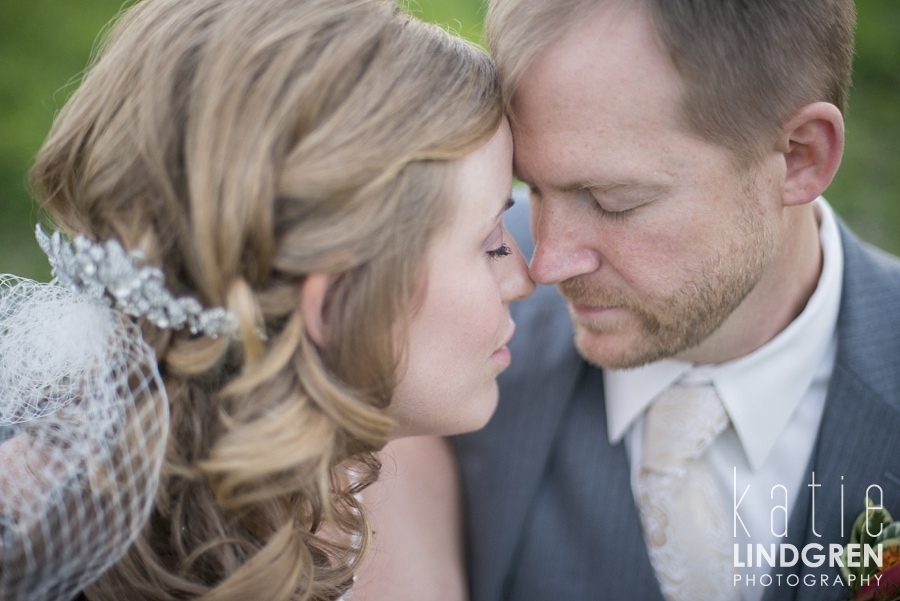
589, 310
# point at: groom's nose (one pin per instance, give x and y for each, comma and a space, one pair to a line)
563, 242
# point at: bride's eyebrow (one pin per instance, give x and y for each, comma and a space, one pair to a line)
507, 205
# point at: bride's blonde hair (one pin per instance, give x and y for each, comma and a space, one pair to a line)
241, 145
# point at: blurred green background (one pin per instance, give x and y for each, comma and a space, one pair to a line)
45, 44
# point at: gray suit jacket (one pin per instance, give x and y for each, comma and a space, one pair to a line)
550, 512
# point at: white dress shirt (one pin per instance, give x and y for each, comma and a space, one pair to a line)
775, 398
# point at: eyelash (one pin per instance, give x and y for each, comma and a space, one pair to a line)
617, 216
614, 215
502, 251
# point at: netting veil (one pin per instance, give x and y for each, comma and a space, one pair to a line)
83, 417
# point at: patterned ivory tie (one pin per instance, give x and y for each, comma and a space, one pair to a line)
684, 521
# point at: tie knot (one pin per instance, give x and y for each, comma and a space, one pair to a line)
681, 423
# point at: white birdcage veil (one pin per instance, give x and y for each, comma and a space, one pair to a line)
83, 417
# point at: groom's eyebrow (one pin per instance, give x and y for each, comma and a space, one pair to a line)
640, 187
604, 185
610, 186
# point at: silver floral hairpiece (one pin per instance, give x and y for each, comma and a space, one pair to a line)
104, 271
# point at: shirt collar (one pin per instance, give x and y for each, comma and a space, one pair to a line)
761, 390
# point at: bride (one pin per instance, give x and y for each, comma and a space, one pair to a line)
282, 247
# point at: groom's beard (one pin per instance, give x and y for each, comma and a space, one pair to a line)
649, 331
659, 327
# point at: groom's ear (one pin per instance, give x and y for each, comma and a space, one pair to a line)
812, 142
313, 306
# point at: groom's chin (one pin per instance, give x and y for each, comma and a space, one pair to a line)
621, 349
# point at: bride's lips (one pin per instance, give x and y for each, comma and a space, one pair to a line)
502, 354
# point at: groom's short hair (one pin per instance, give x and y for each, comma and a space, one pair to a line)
747, 66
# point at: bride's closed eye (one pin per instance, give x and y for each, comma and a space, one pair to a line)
503, 249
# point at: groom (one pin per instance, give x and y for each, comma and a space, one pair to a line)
735, 346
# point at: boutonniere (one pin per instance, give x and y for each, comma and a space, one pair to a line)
874, 534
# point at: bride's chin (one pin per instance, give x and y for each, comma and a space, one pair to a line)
480, 413
473, 415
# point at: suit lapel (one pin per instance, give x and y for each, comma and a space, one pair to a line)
858, 436
846, 462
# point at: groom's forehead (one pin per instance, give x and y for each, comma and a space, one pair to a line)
610, 62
